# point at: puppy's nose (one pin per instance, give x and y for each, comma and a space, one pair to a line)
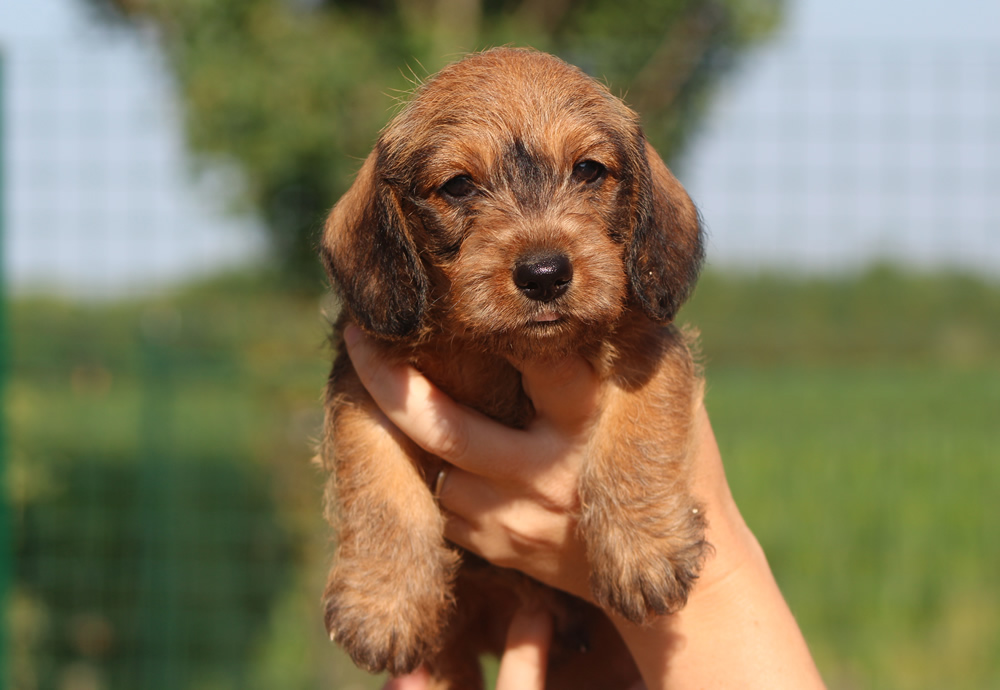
543, 278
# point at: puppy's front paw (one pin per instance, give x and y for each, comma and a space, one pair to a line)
387, 617
638, 573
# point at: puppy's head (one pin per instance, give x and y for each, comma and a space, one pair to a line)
516, 202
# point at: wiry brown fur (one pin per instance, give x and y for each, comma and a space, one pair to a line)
430, 275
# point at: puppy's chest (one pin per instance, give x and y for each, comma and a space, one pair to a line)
483, 382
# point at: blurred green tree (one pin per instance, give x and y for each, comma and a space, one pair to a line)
292, 92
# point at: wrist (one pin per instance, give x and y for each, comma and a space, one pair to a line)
680, 649
736, 629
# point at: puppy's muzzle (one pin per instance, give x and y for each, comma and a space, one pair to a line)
543, 277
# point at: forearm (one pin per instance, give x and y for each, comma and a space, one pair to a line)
736, 630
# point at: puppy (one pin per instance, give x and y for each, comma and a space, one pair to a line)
511, 211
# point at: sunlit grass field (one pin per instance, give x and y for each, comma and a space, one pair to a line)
859, 419
860, 425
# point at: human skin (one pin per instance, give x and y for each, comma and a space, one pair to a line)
510, 496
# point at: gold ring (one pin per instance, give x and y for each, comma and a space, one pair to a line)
439, 480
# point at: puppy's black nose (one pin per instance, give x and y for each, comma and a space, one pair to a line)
543, 278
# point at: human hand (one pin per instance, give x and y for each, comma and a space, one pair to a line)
510, 495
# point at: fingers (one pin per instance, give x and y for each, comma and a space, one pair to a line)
479, 500
565, 392
430, 418
464, 493
531, 533
524, 660
467, 498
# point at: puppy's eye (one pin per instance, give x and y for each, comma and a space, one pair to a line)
459, 187
586, 172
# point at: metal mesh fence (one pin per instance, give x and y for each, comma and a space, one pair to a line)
156, 477
164, 519
826, 158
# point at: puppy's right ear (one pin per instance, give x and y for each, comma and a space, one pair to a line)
667, 247
371, 259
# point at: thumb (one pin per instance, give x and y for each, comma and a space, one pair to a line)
565, 392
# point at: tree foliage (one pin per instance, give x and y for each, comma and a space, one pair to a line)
293, 92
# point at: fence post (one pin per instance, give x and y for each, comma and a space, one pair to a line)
6, 541
160, 667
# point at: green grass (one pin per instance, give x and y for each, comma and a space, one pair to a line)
857, 418
871, 492
882, 316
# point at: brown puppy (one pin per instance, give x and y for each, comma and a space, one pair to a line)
511, 210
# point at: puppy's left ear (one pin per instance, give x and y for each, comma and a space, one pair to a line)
666, 252
371, 258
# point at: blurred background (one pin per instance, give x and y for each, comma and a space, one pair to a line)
166, 166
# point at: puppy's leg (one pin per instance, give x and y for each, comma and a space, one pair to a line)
389, 592
644, 531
